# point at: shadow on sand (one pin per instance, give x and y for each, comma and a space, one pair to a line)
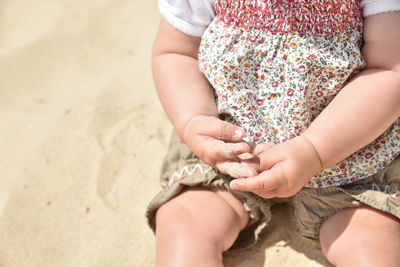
281, 234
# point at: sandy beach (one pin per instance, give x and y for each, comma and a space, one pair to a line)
83, 137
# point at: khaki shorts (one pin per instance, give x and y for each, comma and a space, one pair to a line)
312, 205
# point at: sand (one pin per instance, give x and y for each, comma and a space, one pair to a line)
83, 137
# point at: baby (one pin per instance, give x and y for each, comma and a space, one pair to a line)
289, 76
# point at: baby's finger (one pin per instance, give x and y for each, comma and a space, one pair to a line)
218, 150
265, 181
236, 169
269, 158
221, 130
261, 148
232, 150
211, 150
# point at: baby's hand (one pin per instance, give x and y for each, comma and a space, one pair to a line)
284, 169
218, 144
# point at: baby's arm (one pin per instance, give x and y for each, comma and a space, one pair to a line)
370, 102
361, 112
183, 90
188, 100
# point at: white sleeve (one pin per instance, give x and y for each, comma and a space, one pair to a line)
188, 16
373, 7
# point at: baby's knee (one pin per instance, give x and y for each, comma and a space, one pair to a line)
174, 215
199, 215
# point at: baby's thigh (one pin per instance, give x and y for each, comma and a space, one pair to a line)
361, 236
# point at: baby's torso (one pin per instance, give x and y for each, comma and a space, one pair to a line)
276, 64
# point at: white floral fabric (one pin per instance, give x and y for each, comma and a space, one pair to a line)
275, 65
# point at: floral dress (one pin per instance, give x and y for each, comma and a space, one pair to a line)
276, 64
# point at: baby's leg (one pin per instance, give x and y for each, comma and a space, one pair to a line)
194, 228
361, 236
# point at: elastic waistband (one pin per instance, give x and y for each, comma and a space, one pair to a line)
284, 16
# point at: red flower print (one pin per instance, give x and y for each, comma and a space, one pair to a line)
235, 75
369, 155
312, 57
377, 146
260, 102
275, 84
290, 92
319, 93
224, 98
250, 116
298, 129
301, 69
235, 108
286, 104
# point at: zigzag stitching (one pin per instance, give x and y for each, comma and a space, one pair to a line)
187, 171
385, 189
